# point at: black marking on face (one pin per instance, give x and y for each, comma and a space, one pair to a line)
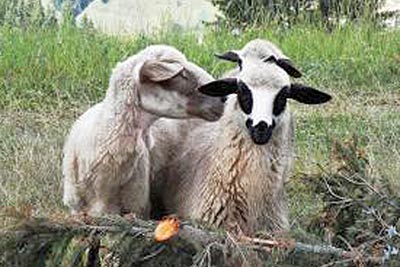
245, 98
262, 132
249, 123
280, 101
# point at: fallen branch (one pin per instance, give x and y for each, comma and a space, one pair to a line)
136, 238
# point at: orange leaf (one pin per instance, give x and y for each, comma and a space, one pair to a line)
166, 229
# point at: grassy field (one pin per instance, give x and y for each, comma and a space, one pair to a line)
49, 76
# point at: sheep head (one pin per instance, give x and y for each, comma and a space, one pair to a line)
264, 51
262, 90
168, 84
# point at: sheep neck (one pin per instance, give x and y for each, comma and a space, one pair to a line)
122, 99
127, 138
241, 178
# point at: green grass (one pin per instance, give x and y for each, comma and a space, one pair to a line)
62, 67
51, 75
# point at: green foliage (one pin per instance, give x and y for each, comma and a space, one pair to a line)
50, 66
69, 241
45, 65
253, 12
67, 66
361, 209
350, 9
25, 14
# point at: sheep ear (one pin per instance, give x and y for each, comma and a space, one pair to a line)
220, 88
286, 64
289, 67
230, 56
307, 95
159, 70
270, 59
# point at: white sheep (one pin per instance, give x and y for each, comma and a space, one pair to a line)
231, 173
106, 158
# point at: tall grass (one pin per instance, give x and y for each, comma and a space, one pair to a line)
65, 66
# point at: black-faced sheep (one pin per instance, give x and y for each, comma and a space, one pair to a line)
231, 173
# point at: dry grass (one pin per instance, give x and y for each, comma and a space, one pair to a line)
31, 152
31, 149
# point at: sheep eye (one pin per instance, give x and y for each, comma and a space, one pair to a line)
245, 98
185, 74
280, 101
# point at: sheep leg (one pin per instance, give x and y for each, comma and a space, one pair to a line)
105, 203
101, 207
135, 195
105, 199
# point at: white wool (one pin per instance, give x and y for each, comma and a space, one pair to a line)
106, 164
261, 49
219, 176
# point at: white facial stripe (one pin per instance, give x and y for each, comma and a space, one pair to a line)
263, 101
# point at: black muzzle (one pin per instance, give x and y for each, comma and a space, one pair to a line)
261, 133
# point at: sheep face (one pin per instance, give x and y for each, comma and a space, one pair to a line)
168, 89
262, 91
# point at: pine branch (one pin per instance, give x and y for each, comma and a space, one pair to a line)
136, 244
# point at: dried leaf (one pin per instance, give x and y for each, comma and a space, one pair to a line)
166, 229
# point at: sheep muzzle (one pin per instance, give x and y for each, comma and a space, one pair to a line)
261, 133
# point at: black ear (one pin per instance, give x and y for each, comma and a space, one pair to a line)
220, 88
307, 95
230, 56
286, 64
270, 59
289, 67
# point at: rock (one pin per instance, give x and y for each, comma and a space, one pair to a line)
124, 17
391, 6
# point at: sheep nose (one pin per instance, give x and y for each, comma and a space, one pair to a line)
261, 126
262, 132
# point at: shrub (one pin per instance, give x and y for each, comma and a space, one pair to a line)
262, 11
24, 14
